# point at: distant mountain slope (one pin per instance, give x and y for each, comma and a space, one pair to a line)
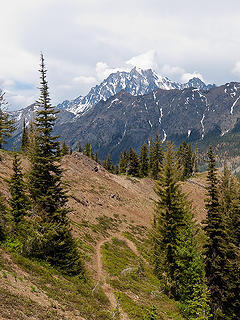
125, 120
137, 82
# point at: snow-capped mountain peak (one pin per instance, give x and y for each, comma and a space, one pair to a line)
136, 82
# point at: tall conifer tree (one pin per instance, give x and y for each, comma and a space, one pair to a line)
133, 168
144, 160
123, 164
52, 240
177, 260
220, 253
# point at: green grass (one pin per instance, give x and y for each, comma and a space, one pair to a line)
72, 293
137, 289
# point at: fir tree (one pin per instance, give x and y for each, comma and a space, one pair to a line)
219, 251
107, 164
64, 149
187, 159
87, 150
123, 164
19, 201
133, 168
229, 201
95, 158
52, 238
6, 124
144, 161
79, 147
177, 260
25, 138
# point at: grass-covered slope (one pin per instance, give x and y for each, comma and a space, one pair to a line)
110, 221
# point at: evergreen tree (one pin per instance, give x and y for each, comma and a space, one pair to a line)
87, 150
25, 138
51, 239
6, 124
133, 168
123, 164
70, 151
107, 164
219, 251
64, 149
19, 201
95, 157
143, 160
79, 147
91, 155
177, 260
230, 205
187, 159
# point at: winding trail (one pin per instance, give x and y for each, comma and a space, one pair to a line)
101, 274
196, 183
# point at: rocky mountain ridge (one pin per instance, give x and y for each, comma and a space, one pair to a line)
125, 120
136, 82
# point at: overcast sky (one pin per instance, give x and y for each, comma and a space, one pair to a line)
83, 41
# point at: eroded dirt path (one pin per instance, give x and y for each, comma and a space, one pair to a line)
101, 274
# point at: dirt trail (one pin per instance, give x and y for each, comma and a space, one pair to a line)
196, 183
102, 276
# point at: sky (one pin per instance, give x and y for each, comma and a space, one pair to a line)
83, 41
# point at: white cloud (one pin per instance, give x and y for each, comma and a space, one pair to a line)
144, 61
236, 68
84, 79
188, 76
172, 70
83, 33
18, 100
103, 70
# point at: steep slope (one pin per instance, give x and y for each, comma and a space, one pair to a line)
110, 222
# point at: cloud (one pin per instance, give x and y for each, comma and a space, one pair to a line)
144, 61
84, 79
188, 76
236, 69
18, 100
83, 34
172, 70
103, 70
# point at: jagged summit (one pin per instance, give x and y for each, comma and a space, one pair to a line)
136, 82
